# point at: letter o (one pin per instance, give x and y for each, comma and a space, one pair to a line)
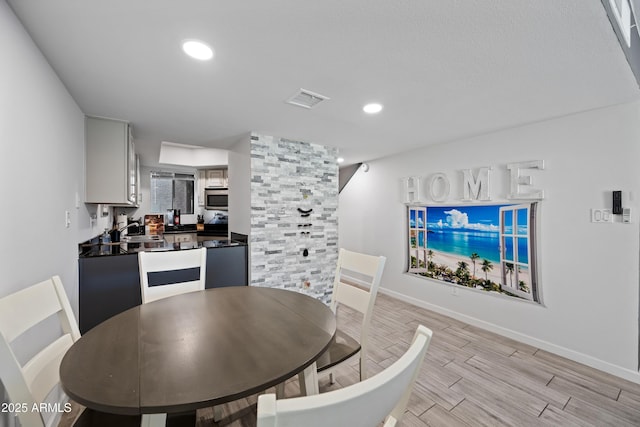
439, 180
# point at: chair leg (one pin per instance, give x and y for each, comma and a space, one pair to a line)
332, 379
154, 420
280, 391
309, 380
217, 413
301, 381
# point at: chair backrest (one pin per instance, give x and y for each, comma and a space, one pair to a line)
30, 383
357, 280
356, 285
168, 273
363, 404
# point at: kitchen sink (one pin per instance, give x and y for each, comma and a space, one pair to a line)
141, 239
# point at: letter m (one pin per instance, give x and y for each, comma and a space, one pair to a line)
476, 188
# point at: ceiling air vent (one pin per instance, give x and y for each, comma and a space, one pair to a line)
306, 98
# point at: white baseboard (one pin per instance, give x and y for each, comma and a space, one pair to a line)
585, 359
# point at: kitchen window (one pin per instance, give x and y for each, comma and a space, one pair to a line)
172, 191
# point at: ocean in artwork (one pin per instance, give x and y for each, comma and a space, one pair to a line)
464, 243
463, 230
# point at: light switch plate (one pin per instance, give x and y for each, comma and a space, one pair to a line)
601, 215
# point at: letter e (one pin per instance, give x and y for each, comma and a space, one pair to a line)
518, 181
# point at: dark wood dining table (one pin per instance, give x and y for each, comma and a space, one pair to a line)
197, 350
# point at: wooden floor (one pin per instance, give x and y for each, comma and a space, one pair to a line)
473, 378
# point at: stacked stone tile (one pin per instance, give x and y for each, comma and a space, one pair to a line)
287, 175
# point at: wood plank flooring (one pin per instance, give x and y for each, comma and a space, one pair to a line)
472, 377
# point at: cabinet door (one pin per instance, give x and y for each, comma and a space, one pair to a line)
132, 175
108, 286
107, 166
227, 267
216, 178
138, 189
202, 183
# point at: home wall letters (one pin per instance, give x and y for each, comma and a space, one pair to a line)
476, 187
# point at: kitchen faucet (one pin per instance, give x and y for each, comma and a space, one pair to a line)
128, 225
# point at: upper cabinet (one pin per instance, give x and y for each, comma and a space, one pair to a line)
111, 167
216, 178
210, 178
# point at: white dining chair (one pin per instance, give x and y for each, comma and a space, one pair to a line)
364, 404
167, 273
355, 285
28, 385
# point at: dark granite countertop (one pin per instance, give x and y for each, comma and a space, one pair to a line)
96, 248
205, 229
184, 228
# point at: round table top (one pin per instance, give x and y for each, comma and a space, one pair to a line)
196, 350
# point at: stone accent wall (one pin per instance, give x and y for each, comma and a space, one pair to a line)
287, 175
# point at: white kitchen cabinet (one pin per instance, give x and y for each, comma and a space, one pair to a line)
110, 162
210, 178
138, 193
202, 184
216, 178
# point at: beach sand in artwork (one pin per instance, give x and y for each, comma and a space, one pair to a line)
452, 261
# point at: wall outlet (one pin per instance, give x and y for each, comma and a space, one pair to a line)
601, 215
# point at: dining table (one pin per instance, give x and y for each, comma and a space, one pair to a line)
197, 350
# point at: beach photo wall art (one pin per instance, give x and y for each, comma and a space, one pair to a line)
486, 247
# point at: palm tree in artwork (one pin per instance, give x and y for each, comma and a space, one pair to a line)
509, 269
486, 266
463, 271
474, 256
430, 265
463, 266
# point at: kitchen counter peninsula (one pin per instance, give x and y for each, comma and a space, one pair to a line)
109, 281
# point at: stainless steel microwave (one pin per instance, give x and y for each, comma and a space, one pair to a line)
216, 199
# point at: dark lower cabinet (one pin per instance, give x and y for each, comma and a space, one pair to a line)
227, 266
109, 285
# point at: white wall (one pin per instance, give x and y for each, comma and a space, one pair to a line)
240, 186
41, 166
588, 272
41, 169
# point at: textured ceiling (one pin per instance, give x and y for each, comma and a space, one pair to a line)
443, 69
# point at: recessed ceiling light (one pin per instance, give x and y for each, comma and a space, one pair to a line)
197, 49
340, 160
372, 108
